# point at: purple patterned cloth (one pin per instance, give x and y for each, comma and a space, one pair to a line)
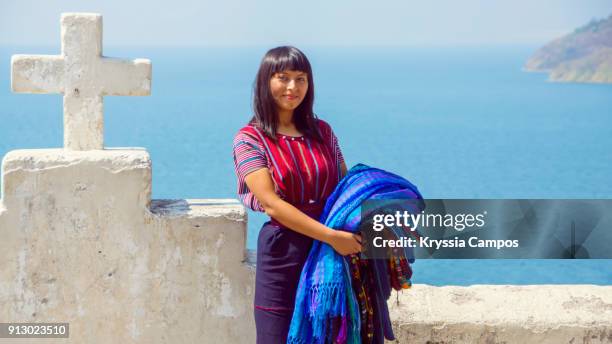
326, 309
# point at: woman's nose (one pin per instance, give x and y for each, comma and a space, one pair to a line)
291, 84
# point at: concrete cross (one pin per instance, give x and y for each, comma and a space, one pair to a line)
83, 76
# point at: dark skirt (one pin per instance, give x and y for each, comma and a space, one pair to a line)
281, 254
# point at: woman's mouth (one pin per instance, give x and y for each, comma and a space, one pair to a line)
291, 97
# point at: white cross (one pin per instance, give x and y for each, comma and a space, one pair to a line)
83, 76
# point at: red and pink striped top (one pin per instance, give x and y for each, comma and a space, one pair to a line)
304, 170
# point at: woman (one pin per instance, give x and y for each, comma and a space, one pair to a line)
287, 162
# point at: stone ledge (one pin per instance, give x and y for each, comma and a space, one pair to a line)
30, 174
230, 209
113, 159
503, 314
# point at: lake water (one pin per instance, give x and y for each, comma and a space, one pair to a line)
459, 123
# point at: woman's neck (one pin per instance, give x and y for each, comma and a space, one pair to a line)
286, 125
285, 119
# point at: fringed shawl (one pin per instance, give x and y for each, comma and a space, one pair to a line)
327, 309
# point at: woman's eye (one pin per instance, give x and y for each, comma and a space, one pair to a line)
282, 78
301, 79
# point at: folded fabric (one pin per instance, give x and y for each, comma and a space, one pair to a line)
328, 307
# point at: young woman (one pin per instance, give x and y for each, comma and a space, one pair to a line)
288, 162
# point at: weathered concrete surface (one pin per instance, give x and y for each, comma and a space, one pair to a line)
83, 76
503, 314
83, 243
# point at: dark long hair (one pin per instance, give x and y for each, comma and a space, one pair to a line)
265, 113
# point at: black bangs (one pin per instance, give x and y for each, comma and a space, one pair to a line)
287, 58
264, 107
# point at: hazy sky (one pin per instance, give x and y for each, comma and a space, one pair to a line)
315, 22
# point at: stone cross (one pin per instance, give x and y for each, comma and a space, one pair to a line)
83, 76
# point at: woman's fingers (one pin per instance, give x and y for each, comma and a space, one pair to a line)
348, 243
355, 244
357, 247
358, 238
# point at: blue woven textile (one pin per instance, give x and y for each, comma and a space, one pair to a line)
326, 308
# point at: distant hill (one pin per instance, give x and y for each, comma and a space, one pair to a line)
584, 55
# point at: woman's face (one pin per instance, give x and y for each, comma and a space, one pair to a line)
288, 89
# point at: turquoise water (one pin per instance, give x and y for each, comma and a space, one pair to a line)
459, 123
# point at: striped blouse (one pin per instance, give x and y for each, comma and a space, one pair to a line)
304, 170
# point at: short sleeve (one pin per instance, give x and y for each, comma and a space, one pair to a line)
332, 141
336, 148
249, 156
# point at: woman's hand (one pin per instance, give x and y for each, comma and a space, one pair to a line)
345, 243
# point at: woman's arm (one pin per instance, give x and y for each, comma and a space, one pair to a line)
261, 185
343, 170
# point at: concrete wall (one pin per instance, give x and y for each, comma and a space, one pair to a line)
488, 314
82, 242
